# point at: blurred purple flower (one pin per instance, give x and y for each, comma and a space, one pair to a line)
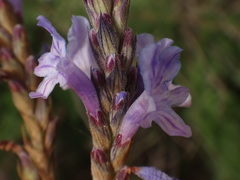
68, 66
150, 173
159, 64
17, 6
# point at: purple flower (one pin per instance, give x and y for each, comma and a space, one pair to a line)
69, 66
17, 6
150, 173
159, 64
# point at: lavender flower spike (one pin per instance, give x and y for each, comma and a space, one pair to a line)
159, 64
68, 66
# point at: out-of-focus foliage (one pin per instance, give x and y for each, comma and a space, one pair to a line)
209, 33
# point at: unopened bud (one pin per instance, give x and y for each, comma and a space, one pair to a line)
92, 14
123, 174
42, 112
107, 37
119, 152
7, 18
119, 101
128, 49
98, 53
100, 130
100, 166
118, 110
20, 44
50, 135
98, 78
96, 7
32, 80
120, 14
10, 65
5, 40
99, 156
110, 63
116, 77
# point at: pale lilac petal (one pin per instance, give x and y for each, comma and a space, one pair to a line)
151, 173
169, 121
47, 65
145, 66
78, 48
187, 102
167, 64
45, 87
81, 84
186, 97
137, 113
142, 41
59, 44
178, 96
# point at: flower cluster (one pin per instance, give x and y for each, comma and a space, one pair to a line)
71, 66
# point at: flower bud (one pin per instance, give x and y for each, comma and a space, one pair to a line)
10, 65
32, 80
119, 152
120, 14
100, 166
7, 18
98, 77
5, 39
107, 36
98, 53
20, 44
119, 107
116, 78
100, 130
128, 49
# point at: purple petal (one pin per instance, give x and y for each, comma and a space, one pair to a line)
137, 113
81, 84
146, 70
167, 64
169, 121
151, 173
158, 62
187, 102
142, 41
45, 87
78, 48
178, 96
59, 45
47, 65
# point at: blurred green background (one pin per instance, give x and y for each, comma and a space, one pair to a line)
209, 33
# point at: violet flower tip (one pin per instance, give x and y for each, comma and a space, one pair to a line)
34, 95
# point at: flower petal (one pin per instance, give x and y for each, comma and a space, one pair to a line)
78, 48
151, 173
145, 66
80, 83
137, 113
170, 122
178, 96
45, 87
154, 61
167, 64
142, 41
59, 45
47, 65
